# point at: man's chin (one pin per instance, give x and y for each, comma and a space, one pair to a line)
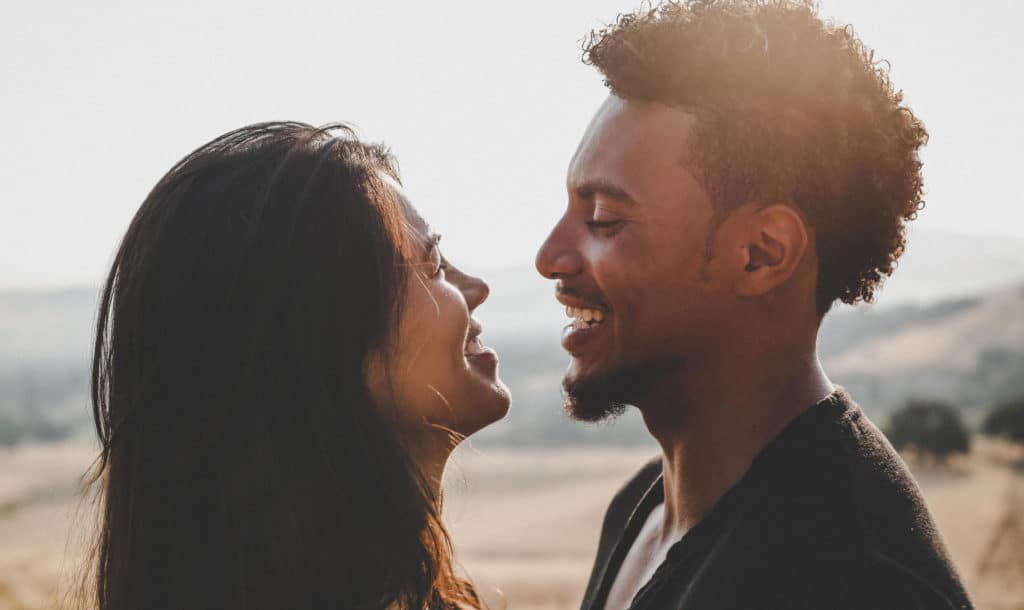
585, 402
598, 397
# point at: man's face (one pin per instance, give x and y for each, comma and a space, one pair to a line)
631, 256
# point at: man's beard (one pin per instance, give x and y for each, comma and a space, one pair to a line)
606, 396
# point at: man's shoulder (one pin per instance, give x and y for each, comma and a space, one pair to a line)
878, 581
835, 454
858, 581
835, 501
777, 566
850, 477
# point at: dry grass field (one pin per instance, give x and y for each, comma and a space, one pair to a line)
525, 521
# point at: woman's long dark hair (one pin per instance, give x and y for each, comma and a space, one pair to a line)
244, 465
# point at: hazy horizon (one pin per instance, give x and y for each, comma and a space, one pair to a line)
939, 265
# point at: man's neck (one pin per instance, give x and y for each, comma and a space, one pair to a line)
711, 423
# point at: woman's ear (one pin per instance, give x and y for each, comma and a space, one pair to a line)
773, 240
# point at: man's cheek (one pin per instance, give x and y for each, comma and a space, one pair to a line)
600, 257
610, 268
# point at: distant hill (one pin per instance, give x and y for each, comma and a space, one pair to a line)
949, 324
952, 335
969, 351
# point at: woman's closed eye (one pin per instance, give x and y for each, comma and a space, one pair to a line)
437, 262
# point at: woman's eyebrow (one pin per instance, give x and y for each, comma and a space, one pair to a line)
433, 238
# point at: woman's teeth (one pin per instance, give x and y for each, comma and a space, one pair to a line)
474, 346
583, 317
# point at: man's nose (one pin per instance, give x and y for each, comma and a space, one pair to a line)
558, 256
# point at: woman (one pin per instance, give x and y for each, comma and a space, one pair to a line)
283, 363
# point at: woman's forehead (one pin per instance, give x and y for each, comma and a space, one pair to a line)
414, 221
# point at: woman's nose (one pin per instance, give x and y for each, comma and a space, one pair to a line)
475, 290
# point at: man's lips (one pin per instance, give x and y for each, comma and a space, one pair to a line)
572, 300
582, 308
576, 337
588, 320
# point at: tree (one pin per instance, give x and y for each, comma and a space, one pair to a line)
930, 427
1006, 419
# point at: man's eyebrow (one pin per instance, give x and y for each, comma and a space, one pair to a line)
589, 188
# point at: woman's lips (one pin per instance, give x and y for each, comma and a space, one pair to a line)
479, 355
486, 359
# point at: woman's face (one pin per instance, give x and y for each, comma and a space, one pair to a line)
438, 376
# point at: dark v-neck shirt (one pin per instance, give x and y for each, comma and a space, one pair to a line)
826, 518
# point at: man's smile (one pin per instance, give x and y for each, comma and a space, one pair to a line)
584, 317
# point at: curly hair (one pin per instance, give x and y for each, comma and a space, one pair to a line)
789, 108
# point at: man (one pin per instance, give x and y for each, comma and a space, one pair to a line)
752, 165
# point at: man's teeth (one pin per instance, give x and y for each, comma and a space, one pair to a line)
584, 317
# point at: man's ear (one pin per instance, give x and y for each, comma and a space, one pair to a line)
773, 240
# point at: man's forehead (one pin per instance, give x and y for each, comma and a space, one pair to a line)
625, 135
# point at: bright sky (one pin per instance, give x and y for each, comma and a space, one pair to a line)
482, 101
